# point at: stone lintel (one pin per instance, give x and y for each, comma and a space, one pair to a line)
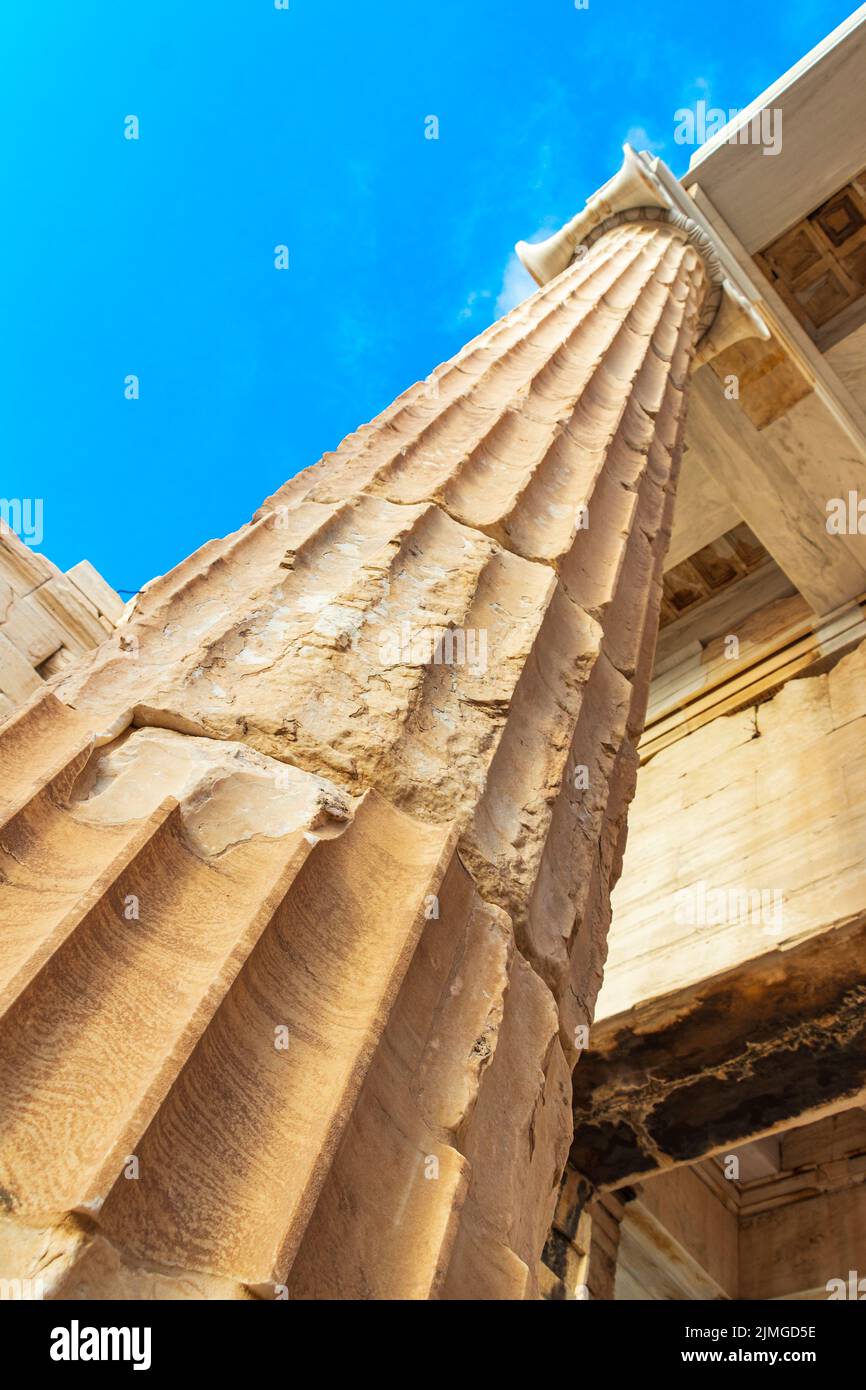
747, 1053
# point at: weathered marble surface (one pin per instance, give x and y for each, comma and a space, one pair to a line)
304, 921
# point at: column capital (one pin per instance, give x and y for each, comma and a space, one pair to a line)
644, 189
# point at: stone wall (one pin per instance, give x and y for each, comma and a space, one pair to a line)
47, 619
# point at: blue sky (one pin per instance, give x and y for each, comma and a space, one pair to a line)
306, 128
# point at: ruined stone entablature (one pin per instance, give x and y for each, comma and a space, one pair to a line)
47, 619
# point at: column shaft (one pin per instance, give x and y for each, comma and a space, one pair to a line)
315, 856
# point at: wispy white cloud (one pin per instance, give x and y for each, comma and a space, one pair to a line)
517, 285
697, 89
473, 303
640, 139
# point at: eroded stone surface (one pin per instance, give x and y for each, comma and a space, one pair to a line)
332, 1017
227, 792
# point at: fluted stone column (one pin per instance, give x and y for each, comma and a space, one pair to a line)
305, 876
